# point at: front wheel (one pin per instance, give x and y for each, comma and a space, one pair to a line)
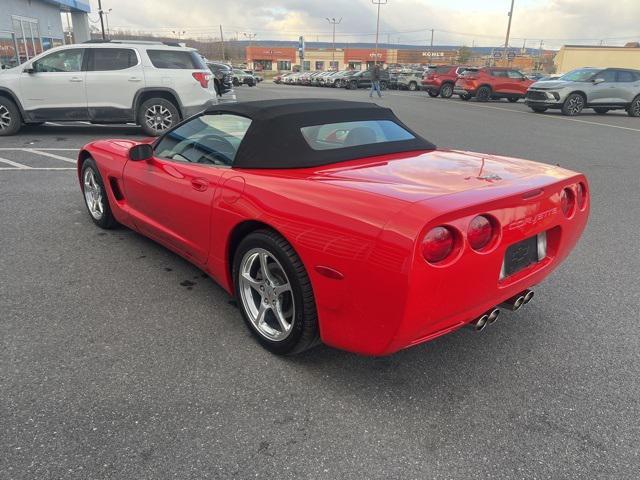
573, 105
95, 196
433, 93
352, 85
383, 85
157, 115
10, 119
274, 293
236, 82
484, 94
446, 90
634, 108
413, 86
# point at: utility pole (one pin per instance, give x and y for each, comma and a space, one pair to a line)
222, 42
333, 22
506, 41
540, 55
378, 3
100, 13
106, 14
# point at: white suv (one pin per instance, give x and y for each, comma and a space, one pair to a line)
153, 84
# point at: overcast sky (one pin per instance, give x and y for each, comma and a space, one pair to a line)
479, 22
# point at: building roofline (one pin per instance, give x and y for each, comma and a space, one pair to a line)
73, 6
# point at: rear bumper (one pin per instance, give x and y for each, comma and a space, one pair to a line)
423, 301
195, 109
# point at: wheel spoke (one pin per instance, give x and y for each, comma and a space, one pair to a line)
284, 325
262, 312
264, 266
253, 283
280, 289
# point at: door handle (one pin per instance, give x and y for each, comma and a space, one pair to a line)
199, 184
75, 79
135, 79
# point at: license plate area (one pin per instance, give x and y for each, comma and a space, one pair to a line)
520, 255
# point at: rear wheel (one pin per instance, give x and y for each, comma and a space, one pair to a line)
634, 108
413, 86
10, 119
538, 109
95, 196
483, 94
383, 85
157, 115
433, 93
352, 85
446, 90
274, 293
573, 105
600, 110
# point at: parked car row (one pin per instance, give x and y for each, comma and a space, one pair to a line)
349, 79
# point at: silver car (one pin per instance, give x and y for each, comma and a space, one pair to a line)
597, 88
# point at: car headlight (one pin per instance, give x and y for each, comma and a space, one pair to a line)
555, 95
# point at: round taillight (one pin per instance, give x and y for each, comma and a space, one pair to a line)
567, 201
581, 193
480, 232
437, 244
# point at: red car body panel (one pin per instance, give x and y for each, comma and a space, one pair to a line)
500, 85
364, 219
433, 80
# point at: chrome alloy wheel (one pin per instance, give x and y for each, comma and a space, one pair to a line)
576, 104
158, 117
93, 194
635, 107
266, 294
5, 117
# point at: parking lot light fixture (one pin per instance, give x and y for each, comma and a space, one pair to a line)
333, 22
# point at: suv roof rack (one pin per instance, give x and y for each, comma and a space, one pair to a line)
138, 42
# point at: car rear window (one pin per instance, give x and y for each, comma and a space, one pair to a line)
176, 59
442, 70
333, 136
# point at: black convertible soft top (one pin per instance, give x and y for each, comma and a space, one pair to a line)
274, 138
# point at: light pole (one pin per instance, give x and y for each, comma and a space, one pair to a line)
250, 36
106, 15
178, 33
506, 41
378, 3
100, 13
333, 22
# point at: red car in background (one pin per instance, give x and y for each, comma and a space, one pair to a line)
360, 233
440, 80
492, 83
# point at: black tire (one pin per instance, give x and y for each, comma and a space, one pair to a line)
106, 220
167, 111
538, 109
466, 97
513, 99
383, 85
634, 107
236, 82
573, 105
433, 93
413, 86
352, 85
304, 329
10, 118
483, 94
446, 90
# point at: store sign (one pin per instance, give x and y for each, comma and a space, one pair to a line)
433, 54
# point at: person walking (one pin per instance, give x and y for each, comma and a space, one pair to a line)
375, 81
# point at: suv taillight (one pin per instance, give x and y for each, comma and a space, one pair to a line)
203, 78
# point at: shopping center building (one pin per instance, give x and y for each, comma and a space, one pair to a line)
575, 56
28, 27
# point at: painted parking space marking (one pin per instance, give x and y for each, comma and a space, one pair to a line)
31, 159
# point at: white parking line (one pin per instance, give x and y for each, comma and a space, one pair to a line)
25, 168
51, 155
18, 166
40, 148
551, 117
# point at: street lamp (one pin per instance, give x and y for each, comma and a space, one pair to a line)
333, 22
178, 33
106, 15
506, 41
378, 3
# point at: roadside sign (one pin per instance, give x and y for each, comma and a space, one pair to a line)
511, 55
497, 54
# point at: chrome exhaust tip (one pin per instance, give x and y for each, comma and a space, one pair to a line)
479, 324
528, 296
492, 316
514, 303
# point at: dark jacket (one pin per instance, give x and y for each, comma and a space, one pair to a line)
375, 73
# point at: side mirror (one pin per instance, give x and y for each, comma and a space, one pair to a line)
598, 80
142, 151
29, 70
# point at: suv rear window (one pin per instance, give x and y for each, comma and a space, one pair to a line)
443, 70
176, 59
104, 59
332, 136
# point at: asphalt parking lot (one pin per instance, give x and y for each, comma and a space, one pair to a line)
118, 359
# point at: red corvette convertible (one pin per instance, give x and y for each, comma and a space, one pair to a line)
333, 221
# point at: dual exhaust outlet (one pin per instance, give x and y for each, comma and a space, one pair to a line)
514, 303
